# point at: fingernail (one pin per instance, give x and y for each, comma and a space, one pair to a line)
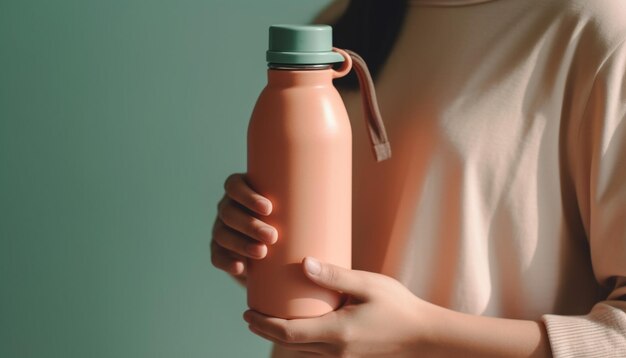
267, 234
264, 206
312, 266
237, 268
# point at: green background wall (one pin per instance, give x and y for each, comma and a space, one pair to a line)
119, 121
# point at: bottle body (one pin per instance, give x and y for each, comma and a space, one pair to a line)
300, 157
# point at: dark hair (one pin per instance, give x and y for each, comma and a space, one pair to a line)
369, 28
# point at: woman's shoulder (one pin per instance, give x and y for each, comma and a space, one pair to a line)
601, 21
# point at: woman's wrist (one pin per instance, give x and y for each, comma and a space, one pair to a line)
427, 325
448, 333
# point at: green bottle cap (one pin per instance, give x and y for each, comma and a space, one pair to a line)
301, 45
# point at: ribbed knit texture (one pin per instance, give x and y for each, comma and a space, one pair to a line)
598, 334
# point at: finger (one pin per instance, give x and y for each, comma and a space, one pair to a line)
234, 216
236, 242
305, 330
224, 260
306, 349
238, 189
352, 282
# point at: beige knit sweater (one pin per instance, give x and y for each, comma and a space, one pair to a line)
506, 193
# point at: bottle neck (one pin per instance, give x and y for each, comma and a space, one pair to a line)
289, 67
299, 75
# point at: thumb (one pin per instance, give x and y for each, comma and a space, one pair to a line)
337, 278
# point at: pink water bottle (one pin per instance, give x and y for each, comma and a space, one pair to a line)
300, 158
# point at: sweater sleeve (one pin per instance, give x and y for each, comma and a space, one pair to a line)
600, 150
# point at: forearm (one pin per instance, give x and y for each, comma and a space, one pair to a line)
457, 334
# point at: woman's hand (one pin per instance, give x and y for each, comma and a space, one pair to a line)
237, 234
381, 318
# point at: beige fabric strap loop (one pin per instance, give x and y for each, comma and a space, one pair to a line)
377, 133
